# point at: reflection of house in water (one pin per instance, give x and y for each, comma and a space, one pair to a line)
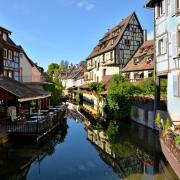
16, 161
76, 115
135, 162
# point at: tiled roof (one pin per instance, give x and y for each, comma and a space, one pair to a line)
105, 44
77, 71
107, 80
18, 89
5, 30
142, 54
151, 3
9, 41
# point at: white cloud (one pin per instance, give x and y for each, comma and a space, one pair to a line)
90, 6
150, 35
85, 4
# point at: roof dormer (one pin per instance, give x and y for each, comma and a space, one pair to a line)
4, 33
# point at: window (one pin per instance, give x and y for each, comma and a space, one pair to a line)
133, 30
10, 74
178, 36
98, 66
176, 85
10, 54
103, 58
127, 42
136, 61
161, 46
138, 43
160, 8
177, 6
104, 72
111, 55
4, 36
149, 59
5, 53
16, 56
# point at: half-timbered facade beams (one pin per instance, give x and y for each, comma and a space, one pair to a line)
9, 56
115, 49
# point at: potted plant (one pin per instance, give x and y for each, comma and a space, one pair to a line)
158, 120
177, 141
167, 130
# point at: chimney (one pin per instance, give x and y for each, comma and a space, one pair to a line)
145, 35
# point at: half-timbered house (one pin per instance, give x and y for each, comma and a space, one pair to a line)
141, 64
115, 49
9, 55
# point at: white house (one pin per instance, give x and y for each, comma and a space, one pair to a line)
167, 47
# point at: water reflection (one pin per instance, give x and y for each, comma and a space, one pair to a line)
130, 149
16, 160
89, 150
123, 155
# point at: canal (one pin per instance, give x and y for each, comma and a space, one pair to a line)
81, 152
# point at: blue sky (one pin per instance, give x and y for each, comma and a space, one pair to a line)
51, 30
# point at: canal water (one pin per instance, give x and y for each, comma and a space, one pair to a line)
81, 152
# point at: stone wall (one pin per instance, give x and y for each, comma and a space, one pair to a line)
142, 112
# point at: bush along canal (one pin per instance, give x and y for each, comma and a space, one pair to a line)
84, 150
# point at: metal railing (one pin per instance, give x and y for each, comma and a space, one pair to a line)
36, 126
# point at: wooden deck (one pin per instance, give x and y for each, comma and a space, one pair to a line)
36, 129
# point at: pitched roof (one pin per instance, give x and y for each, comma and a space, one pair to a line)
5, 30
9, 41
145, 51
18, 89
115, 34
151, 3
107, 80
77, 71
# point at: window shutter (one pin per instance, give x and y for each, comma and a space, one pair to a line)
164, 6
174, 45
176, 85
172, 7
156, 11
165, 44
157, 47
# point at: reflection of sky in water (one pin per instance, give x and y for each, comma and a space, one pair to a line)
76, 158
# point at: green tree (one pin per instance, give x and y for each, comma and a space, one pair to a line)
55, 69
52, 68
120, 95
146, 86
56, 90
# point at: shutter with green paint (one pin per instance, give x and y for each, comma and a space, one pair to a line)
172, 3
174, 45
